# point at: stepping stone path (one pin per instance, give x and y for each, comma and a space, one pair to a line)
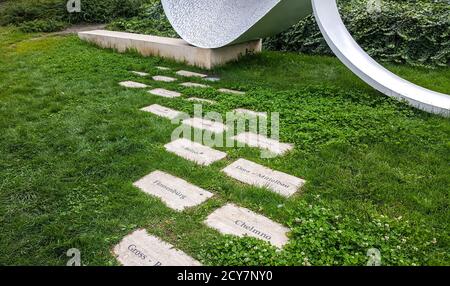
132, 84
201, 100
205, 124
259, 176
162, 111
165, 93
230, 91
195, 152
246, 112
141, 249
176, 193
164, 78
193, 84
213, 79
140, 73
261, 141
190, 74
238, 221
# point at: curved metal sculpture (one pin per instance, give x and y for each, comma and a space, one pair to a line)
218, 23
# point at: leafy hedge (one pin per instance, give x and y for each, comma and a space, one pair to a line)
47, 12
150, 20
416, 32
404, 31
413, 32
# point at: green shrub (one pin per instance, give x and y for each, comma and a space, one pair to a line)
413, 32
151, 20
42, 26
20, 11
92, 11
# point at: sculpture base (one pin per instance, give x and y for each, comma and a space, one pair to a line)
170, 48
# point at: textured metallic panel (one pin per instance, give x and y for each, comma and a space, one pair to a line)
218, 23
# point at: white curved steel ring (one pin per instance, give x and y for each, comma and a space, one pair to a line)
218, 23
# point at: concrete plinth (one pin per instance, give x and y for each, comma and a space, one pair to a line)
175, 49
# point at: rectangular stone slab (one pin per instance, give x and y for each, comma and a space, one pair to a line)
171, 48
201, 100
162, 111
261, 141
205, 124
164, 78
193, 151
230, 91
140, 73
193, 84
238, 221
176, 193
165, 93
132, 84
190, 74
141, 249
163, 68
259, 176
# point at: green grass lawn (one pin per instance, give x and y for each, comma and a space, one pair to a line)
73, 141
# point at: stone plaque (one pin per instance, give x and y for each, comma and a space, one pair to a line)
204, 124
190, 74
256, 175
201, 100
193, 84
213, 79
140, 73
141, 249
132, 84
174, 192
261, 141
162, 111
164, 78
238, 221
230, 91
193, 151
165, 93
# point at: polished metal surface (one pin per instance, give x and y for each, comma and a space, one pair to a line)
218, 23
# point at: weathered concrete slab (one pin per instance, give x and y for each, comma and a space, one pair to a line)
141, 249
231, 91
238, 221
195, 152
164, 78
201, 100
162, 111
257, 175
132, 84
175, 49
205, 124
164, 93
261, 141
140, 73
176, 193
193, 84
163, 68
190, 74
